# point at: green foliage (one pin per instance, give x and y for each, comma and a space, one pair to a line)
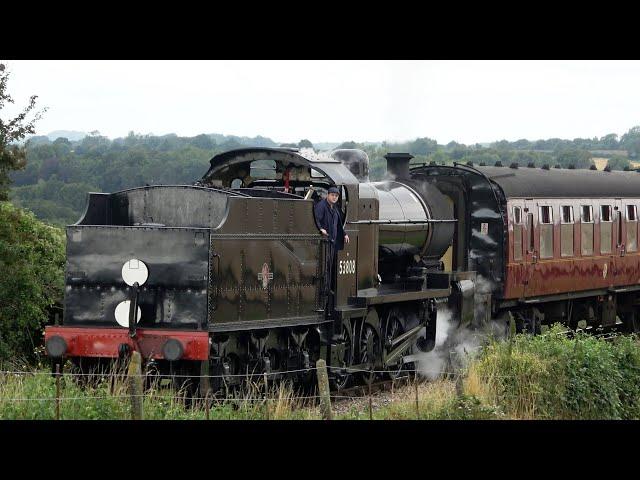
349, 144
58, 174
12, 156
630, 141
423, 146
32, 265
575, 157
552, 376
618, 162
31, 396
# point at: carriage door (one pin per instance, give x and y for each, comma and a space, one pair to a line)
620, 238
531, 246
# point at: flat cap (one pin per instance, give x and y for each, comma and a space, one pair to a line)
333, 190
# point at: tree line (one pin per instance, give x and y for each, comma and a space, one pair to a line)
56, 175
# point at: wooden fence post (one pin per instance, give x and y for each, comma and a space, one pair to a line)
135, 385
323, 388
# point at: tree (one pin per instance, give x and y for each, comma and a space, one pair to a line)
609, 142
13, 156
618, 162
205, 142
575, 157
423, 146
630, 141
304, 143
32, 280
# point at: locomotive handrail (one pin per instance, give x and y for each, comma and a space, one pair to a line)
216, 256
394, 222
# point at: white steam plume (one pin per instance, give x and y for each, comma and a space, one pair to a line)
455, 345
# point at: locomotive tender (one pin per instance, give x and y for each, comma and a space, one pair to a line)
225, 277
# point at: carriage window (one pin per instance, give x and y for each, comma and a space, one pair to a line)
632, 229
586, 230
546, 232
546, 214
566, 231
532, 245
606, 232
517, 233
517, 215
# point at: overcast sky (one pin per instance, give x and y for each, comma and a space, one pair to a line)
465, 101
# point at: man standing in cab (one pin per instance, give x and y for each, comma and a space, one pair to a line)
329, 220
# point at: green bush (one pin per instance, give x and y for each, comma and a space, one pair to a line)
553, 376
32, 261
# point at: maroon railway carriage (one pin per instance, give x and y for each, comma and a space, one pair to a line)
552, 244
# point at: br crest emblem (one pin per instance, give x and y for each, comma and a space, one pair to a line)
265, 275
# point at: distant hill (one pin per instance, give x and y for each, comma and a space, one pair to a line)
71, 135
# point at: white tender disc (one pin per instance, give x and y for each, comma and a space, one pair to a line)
122, 313
135, 271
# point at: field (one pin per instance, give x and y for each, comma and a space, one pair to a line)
601, 162
550, 376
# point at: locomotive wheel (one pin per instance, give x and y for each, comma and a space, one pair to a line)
369, 352
631, 323
527, 323
342, 380
393, 329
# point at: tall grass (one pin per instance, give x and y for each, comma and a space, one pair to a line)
552, 376
549, 376
32, 396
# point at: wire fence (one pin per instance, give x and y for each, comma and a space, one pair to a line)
261, 391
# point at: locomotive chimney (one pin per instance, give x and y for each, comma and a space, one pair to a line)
398, 164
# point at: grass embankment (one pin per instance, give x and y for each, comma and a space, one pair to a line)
554, 377
544, 377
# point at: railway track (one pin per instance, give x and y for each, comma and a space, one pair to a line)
358, 391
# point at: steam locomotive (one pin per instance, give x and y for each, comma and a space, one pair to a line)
224, 279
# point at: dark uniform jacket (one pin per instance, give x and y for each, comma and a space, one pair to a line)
331, 220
